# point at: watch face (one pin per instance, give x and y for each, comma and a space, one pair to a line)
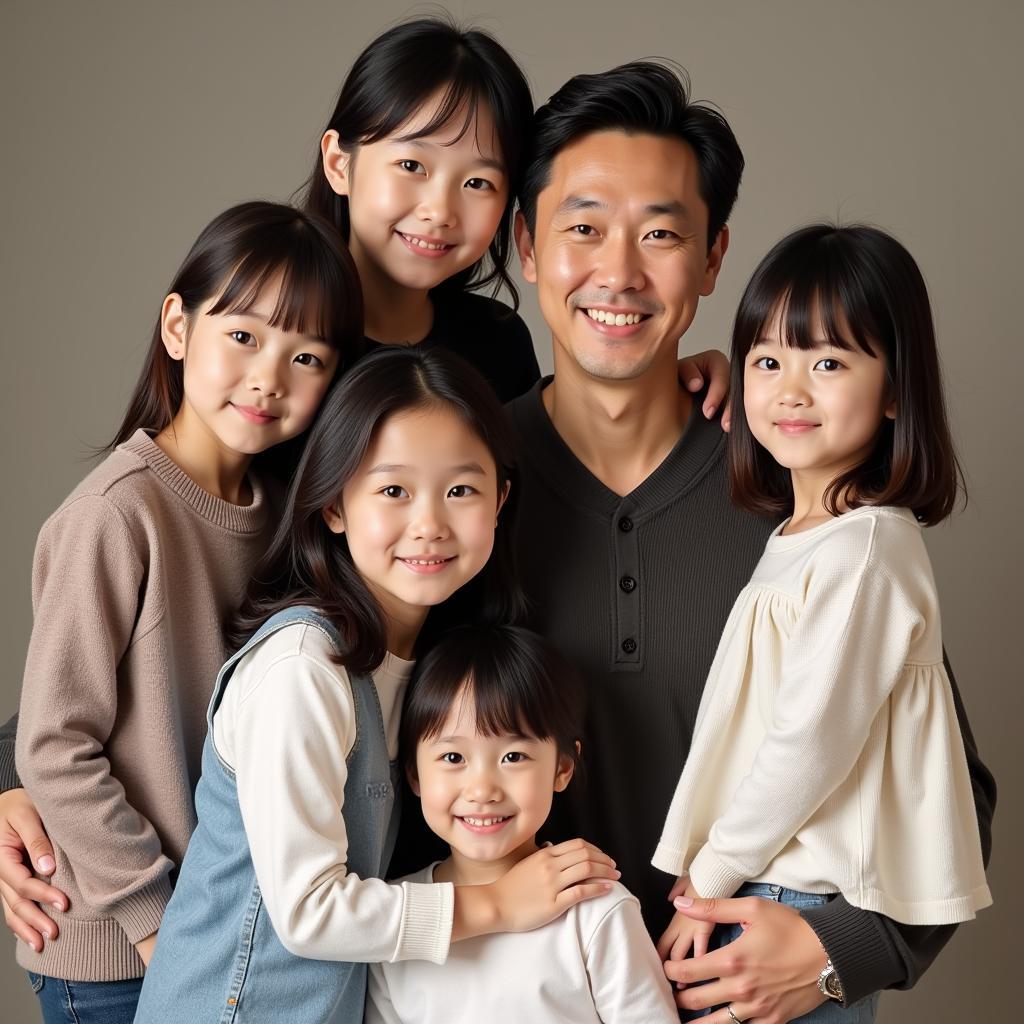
833, 988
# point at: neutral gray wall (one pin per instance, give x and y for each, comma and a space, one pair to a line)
125, 127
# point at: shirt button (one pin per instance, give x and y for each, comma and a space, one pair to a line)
628, 584
625, 524
629, 645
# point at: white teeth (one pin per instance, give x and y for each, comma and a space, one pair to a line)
603, 316
424, 561
481, 822
422, 244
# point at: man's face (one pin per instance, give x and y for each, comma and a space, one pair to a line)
619, 253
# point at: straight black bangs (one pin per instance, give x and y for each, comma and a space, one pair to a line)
311, 298
822, 288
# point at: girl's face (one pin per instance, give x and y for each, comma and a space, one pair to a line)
486, 796
419, 513
247, 385
424, 209
817, 411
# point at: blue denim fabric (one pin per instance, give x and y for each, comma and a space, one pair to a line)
830, 1012
217, 957
86, 1002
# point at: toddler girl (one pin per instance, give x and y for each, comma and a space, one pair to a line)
491, 731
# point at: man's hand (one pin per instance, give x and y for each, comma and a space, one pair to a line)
684, 933
22, 834
711, 367
537, 890
768, 975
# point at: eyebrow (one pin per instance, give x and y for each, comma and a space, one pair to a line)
668, 208
519, 737
485, 161
392, 467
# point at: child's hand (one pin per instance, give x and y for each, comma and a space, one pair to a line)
684, 933
711, 368
144, 947
21, 833
538, 889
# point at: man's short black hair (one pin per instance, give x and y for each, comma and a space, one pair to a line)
637, 98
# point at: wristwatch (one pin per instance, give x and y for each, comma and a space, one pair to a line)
829, 984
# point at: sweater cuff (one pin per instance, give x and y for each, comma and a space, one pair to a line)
857, 946
669, 859
427, 919
140, 914
711, 876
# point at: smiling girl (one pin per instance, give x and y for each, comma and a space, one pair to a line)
491, 732
393, 509
137, 572
826, 756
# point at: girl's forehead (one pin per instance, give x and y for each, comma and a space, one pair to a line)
468, 125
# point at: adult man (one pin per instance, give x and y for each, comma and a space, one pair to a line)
631, 552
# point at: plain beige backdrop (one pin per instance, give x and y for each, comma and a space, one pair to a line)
126, 126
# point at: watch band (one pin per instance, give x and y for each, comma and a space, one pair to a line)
828, 982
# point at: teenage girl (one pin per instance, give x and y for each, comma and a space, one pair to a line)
826, 756
137, 572
491, 731
393, 509
419, 166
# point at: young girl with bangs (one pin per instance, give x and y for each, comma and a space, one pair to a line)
135, 576
395, 507
418, 168
491, 732
827, 757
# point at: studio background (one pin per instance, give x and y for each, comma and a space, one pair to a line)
127, 126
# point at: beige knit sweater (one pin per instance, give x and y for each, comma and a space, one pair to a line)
133, 578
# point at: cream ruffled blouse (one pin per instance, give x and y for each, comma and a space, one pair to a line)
826, 755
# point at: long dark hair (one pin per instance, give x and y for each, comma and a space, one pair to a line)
308, 564
235, 255
866, 289
517, 681
393, 77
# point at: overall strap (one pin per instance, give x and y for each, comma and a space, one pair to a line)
286, 617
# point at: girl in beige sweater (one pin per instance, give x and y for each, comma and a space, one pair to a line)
826, 756
137, 571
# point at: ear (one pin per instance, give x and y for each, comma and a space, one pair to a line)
337, 163
414, 780
524, 243
566, 767
890, 410
716, 255
173, 328
334, 518
502, 498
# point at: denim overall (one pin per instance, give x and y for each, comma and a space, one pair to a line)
218, 957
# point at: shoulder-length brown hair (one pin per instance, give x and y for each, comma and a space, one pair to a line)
867, 290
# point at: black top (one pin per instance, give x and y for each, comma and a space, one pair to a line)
488, 335
636, 591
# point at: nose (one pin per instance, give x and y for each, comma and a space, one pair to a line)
793, 390
481, 786
428, 521
620, 264
267, 375
437, 205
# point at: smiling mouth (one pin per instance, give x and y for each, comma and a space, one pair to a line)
613, 319
424, 244
426, 566
254, 415
490, 824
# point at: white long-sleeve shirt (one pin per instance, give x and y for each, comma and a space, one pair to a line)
286, 726
826, 755
594, 963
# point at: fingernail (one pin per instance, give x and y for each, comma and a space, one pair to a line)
709, 410
47, 864
51, 935
694, 383
681, 902
57, 905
